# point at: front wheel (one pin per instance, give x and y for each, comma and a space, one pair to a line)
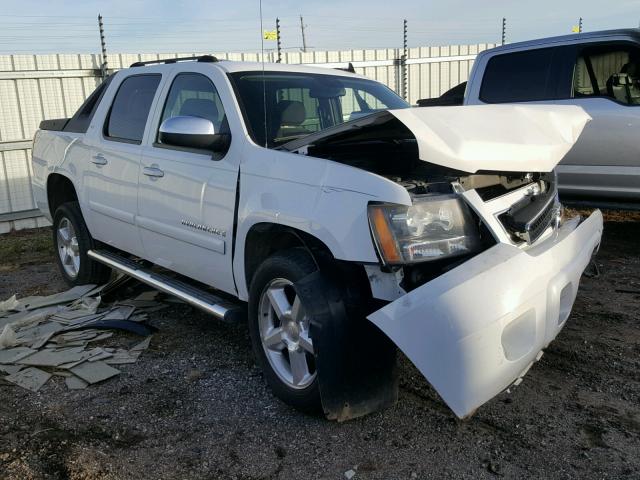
279, 329
72, 242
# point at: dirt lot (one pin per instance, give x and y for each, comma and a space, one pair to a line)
196, 406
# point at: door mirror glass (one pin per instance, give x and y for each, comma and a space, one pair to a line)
188, 131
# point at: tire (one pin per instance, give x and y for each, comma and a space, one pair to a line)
71, 249
281, 271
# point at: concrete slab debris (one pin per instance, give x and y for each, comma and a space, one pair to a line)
50, 335
36, 333
121, 356
30, 378
94, 372
75, 383
102, 336
65, 297
12, 355
53, 357
10, 369
143, 345
122, 312
100, 356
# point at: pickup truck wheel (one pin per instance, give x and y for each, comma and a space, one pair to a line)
279, 329
72, 241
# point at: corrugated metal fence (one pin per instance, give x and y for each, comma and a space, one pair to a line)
38, 87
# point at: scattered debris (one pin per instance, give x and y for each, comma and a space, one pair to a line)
30, 378
94, 372
8, 337
56, 335
8, 304
75, 383
349, 474
14, 354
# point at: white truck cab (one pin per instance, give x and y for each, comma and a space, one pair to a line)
339, 221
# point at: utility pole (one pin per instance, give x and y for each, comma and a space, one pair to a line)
405, 54
580, 25
103, 67
304, 40
504, 30
279, 60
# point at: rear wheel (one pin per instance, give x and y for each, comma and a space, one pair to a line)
72, 241
279, 328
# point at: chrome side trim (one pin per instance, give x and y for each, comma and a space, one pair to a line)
158, 282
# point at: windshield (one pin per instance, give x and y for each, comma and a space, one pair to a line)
299, 104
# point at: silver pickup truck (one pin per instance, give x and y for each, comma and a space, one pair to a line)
597, 71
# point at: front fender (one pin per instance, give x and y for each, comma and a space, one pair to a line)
324, 199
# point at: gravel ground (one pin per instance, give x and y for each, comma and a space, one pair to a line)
196, 406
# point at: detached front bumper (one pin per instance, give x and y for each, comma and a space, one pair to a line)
478, 328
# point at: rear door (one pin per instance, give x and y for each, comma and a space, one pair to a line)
186, 197
111, 173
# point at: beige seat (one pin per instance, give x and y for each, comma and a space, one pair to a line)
291, 115
625, 86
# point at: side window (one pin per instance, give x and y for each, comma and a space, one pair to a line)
356, 103
608, 71
80, 121
518, 77
130, 108
193, 94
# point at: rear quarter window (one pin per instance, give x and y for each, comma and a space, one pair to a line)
130, 109
81, 120
518, 77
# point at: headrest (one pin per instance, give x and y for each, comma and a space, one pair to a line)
291, 112
200, 107
632, 69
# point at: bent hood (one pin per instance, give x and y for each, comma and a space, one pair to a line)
504, 138
495, 137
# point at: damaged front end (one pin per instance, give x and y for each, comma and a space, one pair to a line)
479, 269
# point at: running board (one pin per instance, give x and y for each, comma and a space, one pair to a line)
210, 303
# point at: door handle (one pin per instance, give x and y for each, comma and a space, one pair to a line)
153, 171
99, 159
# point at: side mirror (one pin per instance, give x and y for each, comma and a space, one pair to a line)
192, 132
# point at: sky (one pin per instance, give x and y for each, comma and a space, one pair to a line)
138, 26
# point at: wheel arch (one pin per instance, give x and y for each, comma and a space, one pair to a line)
60, 189
264, 239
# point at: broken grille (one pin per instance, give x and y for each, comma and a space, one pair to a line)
529, 219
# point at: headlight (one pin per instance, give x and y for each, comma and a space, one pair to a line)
433, 227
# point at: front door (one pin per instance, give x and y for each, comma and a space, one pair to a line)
186, 197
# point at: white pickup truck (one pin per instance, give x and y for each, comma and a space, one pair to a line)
339, 221
596, 71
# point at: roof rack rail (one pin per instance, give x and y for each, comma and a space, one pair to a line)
201, 58
350, 68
